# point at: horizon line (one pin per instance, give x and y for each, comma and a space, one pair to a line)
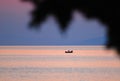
85, 47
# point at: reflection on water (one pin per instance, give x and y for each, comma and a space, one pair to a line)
59, 67
54, 58
59, 70
56, 74
41, 73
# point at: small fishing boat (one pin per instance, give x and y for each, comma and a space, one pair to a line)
68, 51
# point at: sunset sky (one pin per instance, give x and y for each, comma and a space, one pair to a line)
14, 18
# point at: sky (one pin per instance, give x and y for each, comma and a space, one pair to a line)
14, 19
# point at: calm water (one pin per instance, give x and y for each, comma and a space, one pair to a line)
58, 66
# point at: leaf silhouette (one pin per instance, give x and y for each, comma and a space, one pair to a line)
106, 11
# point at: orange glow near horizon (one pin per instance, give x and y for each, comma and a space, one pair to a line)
27, 57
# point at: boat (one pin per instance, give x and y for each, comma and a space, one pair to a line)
68, 51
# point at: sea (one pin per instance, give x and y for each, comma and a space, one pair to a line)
51, 63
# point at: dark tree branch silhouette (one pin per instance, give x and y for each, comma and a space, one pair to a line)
106, 11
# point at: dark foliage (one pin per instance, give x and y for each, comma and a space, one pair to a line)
105, 10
